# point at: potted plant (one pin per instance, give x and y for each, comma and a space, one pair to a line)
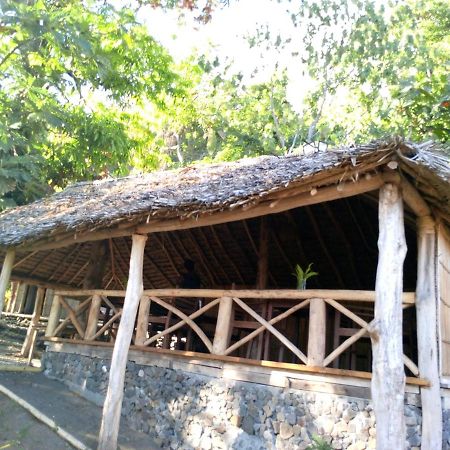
303, 275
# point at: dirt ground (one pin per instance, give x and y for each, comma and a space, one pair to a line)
19, 430
76, 415
12, 334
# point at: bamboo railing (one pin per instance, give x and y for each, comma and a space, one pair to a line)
98, 314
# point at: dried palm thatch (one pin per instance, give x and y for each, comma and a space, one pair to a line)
204, 189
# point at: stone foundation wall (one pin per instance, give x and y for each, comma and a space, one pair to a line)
182, 410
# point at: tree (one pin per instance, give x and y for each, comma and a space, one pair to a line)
54, 57
390, 63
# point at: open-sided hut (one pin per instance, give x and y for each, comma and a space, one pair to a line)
247, 350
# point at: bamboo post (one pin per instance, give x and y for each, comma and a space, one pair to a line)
388, 379
427, 339
317, 332
5, 275
92, 322
40, 295
53, 318
113, 401
142, 322
223, 326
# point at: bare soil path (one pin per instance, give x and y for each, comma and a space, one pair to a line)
76, 415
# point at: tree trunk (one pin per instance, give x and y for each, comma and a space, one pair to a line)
388, 381
113, 402
427, 339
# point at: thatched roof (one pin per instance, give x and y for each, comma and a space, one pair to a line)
200, 189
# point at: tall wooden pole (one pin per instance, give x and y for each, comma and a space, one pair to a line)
427, 336
53, 318
388, 380
113, 401
12, 301
223, 326
142, 322
6, 275
39, 303
92, 322
263, 275
263, 254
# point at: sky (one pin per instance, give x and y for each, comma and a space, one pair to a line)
225, 36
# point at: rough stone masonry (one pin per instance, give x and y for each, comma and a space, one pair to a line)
182, 410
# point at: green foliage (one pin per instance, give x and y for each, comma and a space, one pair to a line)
303, 275
390, 64
56, 59
319, 444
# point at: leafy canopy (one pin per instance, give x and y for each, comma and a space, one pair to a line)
72, 74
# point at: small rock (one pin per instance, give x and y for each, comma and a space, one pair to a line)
286, 430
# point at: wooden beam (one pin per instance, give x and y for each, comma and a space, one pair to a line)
202, 259
427, 337
6, 275
37, 311
217, 264
22, 260
142, 321
40, 282
92, 321
224, 251
223, 326
113, 402
146, 279
263, 254
317, 332
12, 301
96, 265
293, 294
325, 247
286, 342
53, 318
349, 251
413, 199
388, 381
263, 207
295, 368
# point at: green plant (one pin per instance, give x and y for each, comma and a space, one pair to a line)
319, 444
303, 275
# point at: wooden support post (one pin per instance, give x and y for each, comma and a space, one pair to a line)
223, 326
12, 300
92, 322
113, 402
427, 338
388, 380
53, 319
40, 295
317, 332
142, 322
6, 275
21, 297
263, 274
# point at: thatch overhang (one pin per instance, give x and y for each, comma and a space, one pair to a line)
52, 235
